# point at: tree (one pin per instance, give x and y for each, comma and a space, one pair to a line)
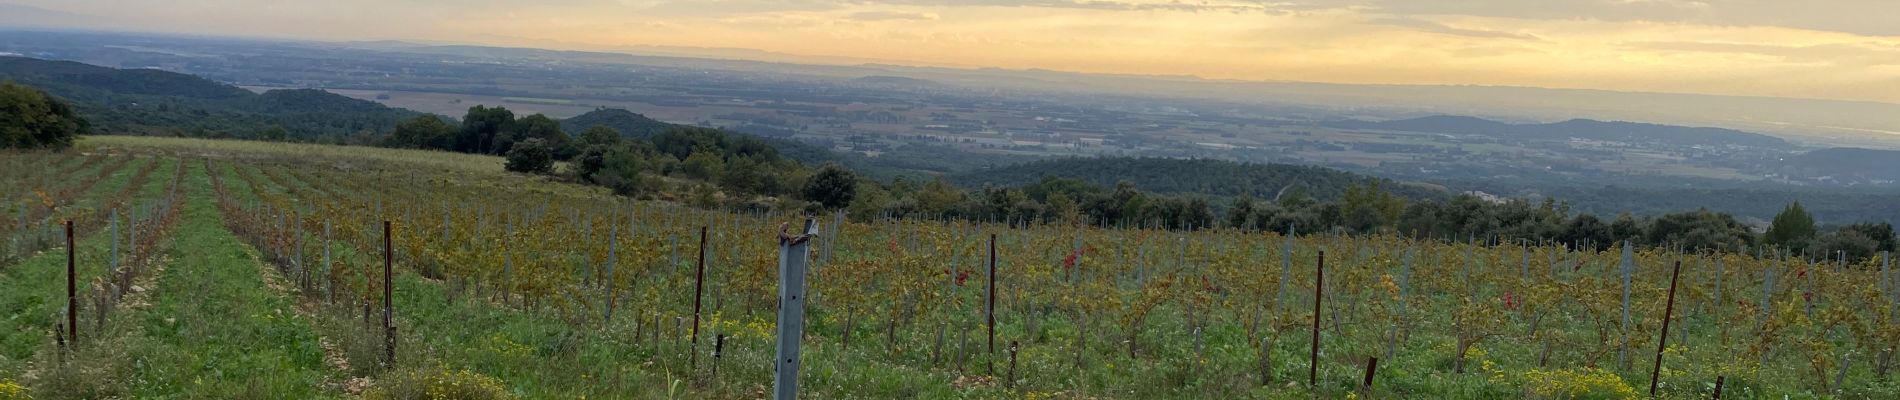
833, 187
600, 135
1626, 227
480, 127
537, 126
704, 164
591, 161
1367, 207
1586, 229
1792, 229
422, 132
1880, 232
530, 156
1700, 229
938, 197
32, 119
1240, 216
1852, 244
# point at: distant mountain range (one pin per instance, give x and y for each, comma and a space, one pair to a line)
1576, 128
155, 102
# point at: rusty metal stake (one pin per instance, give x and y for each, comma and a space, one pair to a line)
1718, 387
1662, 341
990, 306
1372, 367
72, 289
699, 286
1319, 281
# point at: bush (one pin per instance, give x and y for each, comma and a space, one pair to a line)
531, 156
10, 391
437, 384
1584, 383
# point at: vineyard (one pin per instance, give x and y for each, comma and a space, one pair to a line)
218, 269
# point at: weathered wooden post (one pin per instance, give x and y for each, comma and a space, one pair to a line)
699, 286
794, 253
72, 289
989, 306
1372, 367
1319, 281
389, 311
1663, 340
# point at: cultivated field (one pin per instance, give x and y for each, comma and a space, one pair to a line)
222, 269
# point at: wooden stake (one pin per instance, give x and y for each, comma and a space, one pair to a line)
389, 311
1319, 281
699, 286
72, 289
1662, 340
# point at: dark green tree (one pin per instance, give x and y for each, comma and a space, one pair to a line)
32, 119
537, 126
833, 187
1880, 232
422, 132
531, 156
1586, 229
480, 127
1792, 229
600, 135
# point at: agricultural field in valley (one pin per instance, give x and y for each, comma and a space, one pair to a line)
233, 269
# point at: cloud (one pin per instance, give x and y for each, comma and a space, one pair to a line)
1861, 17
1436, 27
891, 16
1833, 53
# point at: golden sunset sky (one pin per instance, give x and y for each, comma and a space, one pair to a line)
1829, 49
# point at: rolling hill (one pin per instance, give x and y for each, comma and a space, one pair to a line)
628, 123
155, 102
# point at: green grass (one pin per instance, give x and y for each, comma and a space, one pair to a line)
213, 328
33, 292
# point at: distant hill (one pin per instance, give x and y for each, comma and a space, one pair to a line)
155, 102
627, 122
1846, 164
1175, 176
1576, 128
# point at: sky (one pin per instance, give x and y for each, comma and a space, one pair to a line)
1827, 49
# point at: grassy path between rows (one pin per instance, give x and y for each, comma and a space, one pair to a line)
213, 328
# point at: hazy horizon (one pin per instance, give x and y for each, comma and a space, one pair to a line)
1846, 50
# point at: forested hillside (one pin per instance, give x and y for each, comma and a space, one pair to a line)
154, 102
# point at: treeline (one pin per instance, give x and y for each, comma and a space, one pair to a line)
1367, 207
1197, 176
703, 166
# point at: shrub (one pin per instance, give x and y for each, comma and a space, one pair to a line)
531, 156
1584, 383
432, 384
11, 391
